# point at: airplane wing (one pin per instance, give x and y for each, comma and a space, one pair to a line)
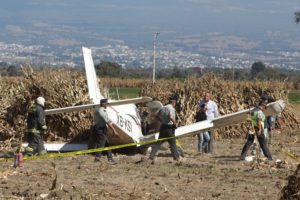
94, 105
183, 130
238, 117
219, 122
225, 120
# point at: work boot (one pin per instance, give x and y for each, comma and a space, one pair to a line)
270, 158
43, 152
97, 159
28, 151
151, 160
242, 158
179, 161
27, 154
112, 161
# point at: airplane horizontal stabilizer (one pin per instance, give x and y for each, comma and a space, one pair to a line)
130, 101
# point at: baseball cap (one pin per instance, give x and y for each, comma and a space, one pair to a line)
264, 97
171, 100
103, 101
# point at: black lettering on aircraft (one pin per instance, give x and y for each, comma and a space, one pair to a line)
124, 123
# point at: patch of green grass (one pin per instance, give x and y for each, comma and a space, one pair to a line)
294, 97
124, 93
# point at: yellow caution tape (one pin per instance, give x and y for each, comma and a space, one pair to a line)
85, 151
289, 154
178, 144
98, 149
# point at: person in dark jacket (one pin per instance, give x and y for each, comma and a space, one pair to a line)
101, 124
203, 138
36, 126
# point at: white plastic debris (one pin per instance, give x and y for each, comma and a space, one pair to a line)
249, 158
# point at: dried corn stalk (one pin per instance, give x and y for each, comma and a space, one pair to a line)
230, 96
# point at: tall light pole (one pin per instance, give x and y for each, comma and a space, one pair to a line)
154, 45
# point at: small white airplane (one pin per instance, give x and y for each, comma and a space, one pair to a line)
126, 119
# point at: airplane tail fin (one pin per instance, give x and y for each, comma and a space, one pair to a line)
94, 90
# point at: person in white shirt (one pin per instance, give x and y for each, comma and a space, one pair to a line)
211, 113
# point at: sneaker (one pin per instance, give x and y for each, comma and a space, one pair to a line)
112, 161
179, 159
97, 159
262, 154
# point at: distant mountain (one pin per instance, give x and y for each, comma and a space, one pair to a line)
236, 29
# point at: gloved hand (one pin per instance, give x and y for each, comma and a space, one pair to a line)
174, 126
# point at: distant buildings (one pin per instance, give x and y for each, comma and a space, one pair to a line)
141, 57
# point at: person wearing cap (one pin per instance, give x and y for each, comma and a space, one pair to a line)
166, 115
36, 126
257, 119
267, 129
101, 124
211, 113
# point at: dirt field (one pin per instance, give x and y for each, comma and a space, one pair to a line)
218, 176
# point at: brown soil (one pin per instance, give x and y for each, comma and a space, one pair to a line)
297, 110
218, 176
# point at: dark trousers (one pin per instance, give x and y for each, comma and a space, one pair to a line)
262, 142
165, 132
35, 142
102, 141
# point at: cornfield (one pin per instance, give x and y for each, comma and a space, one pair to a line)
230, 96
64, 87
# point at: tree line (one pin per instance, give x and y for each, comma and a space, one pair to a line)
258, 71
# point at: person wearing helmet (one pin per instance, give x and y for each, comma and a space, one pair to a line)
36, 126
257, 119
267, 129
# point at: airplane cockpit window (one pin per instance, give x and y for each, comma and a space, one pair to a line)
138, 113
137, 121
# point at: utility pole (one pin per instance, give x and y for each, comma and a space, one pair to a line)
154, 45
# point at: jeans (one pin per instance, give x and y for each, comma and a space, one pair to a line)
203, 139
211, 141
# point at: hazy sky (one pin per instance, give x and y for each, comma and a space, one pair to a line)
255, 18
